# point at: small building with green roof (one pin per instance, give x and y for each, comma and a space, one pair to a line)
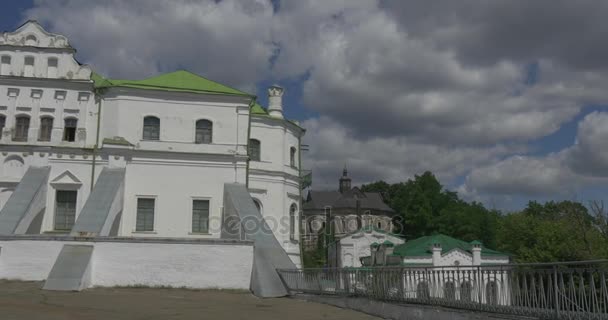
442, 250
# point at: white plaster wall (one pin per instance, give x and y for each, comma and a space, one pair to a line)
130, 264
274, 182
28, 260
174, 184
182, 265
124, 111
47, 105
355, 246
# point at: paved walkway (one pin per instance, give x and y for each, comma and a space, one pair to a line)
25, 300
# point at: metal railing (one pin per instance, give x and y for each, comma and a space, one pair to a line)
570, 290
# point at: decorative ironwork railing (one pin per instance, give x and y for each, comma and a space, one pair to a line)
569, 290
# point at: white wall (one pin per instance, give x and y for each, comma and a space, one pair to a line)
355, 246
124, 111
174, 184
226, 266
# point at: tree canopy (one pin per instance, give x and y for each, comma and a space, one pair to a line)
553, 231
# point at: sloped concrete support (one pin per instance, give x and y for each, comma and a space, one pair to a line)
242, 220
26, 202
102, 206
72, 269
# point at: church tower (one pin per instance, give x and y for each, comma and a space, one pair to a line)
344, 181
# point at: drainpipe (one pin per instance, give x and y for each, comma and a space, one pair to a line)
96, 146
248, 138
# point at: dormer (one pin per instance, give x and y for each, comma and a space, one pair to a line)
31, 51
31, 34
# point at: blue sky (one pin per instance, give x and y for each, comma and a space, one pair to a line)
503, 101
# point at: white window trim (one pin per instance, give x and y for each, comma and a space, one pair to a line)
154, 229
189, 215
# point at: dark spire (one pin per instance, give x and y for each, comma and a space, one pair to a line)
344, 181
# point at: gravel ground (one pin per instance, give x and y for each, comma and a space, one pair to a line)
25, 300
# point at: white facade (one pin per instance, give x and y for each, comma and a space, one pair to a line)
352, 247
173, 169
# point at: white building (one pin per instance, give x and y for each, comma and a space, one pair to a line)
348, 250
83, 155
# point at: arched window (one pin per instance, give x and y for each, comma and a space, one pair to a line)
151, 128
204, 131
31, 40
69, 130
46, 127
292, 220
28, 67
449, 291
2, 124
466, 289
491, 293
51, 70
254, 150
292, 156
22, 126
5, 65
422, 291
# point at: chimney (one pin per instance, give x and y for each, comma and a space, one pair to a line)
275, 101
436, 254
476, 249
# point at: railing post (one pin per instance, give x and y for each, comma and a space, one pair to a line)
556, 294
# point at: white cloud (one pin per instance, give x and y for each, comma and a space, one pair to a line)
401, 86
228, 41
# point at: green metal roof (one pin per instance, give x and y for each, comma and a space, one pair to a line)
258, 109
422, 246
178, 81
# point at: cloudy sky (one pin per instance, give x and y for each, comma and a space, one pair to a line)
504, 100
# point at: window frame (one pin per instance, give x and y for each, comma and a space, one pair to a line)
196, 131
25, 137
55, 213
192, 200
49, 66
3, 124
292, 157
293, 212
66, 134
26, 65
154, 210
8, 63
144, 126
255, 156
50, 129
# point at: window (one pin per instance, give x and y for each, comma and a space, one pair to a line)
12, 92
60, 94
422, 291
466, 289
145, 214
292, 220
36, 93
22, 126
5, 65
69, 130
51, 70
204, 131
200, 216
28, 69
151, 128
449, 291
254, 150
46, 126
2, 123
83, 96
65, 209
31, 40
292, 157
491, 293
